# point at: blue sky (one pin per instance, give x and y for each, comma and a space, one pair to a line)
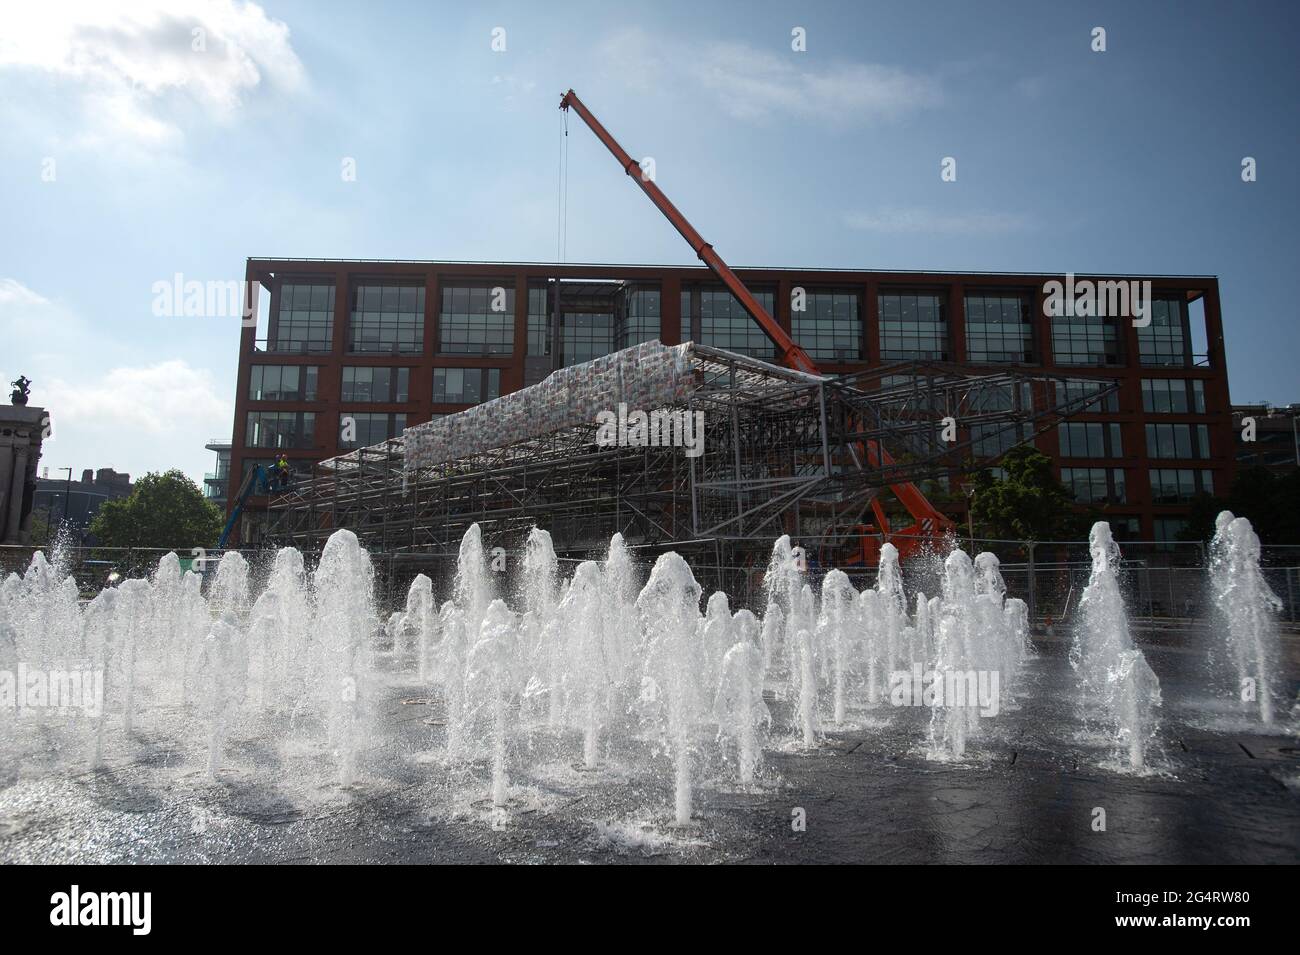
128, 156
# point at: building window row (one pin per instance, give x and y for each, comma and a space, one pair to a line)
999, 329
283, 382
362, 429
596, 318
995, 440
1163, 342
1086, 396
387, 319
376, 384
1182, 441
478, 319
1173, 396
304, 323
1085, 340
466, 385
280, 429
828, 326
913, 326
715, 317
1090, 439
1095, 485
1179, 485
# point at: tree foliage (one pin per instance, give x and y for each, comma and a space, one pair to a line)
164, 510
1271, 500
1030, 504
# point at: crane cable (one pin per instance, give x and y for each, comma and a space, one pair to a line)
562, 191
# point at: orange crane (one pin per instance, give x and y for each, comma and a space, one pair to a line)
929, 523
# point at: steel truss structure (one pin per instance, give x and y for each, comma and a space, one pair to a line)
781, 453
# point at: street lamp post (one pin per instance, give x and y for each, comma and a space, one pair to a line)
970, 513
67, 493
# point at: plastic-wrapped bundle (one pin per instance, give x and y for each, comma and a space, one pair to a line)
647, 376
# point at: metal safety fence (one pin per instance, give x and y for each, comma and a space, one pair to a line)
1161, 580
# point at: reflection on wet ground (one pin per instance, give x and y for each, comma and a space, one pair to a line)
1035, 787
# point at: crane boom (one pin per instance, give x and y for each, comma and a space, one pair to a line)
930, 522
792, 356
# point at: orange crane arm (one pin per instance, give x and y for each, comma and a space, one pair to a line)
792, 356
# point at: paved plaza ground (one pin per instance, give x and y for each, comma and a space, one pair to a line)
1028, 791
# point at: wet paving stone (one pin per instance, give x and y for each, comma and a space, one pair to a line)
1028, 791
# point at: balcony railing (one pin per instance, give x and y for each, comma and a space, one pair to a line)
315, 346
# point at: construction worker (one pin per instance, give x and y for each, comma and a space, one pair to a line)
282, 472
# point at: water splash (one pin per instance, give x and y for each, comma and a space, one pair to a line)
739, 709
488, 688
1118, 687
669, 608
1247, 609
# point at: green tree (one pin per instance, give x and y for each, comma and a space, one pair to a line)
1270, 499
164, 510
1030, 504
41, 532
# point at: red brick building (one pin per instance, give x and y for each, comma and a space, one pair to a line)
350, 352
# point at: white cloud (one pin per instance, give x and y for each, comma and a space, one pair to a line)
167, 399
927, 222
760, 85
137, 416
16, 297
136, 65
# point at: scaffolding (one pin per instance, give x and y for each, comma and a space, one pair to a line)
779, 452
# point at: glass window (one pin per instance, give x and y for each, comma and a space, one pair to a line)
994, 440
1163, 342
1090, 439
1085, 340
304, 321
829, 326
477, 320
716, 317
363, 429
466, 385
640, 317
998, 329
280, 429
1168, 528
1179, 485
1095, 485
1173, 396
586, 335
994, 396
376, 384
539, 320
1083, 390
1178, 441
282, 382
913, 326
387, 319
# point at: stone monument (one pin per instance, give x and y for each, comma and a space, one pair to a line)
22, 428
